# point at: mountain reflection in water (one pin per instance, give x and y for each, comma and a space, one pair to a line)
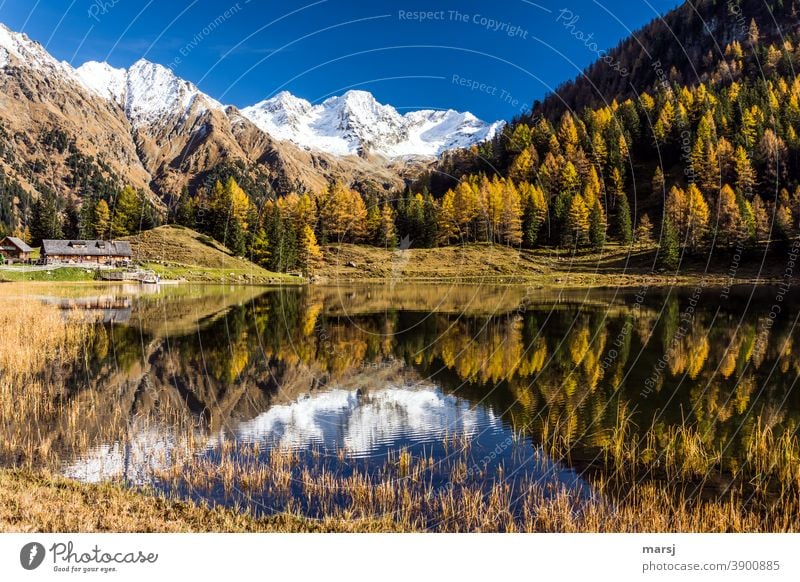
350, 376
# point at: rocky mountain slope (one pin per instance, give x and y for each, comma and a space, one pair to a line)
81, 132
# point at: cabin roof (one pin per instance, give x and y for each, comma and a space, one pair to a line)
19, 243
87, 248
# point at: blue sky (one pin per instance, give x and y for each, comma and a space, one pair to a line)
491, 58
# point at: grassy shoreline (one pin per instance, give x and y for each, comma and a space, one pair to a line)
34, 501
469, 264
180, 254
615, 266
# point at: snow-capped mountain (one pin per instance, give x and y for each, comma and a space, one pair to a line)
104, 80
351, 124
18, 49
356, 123
146, 127
147, 91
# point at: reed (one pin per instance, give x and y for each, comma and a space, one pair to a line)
665, 478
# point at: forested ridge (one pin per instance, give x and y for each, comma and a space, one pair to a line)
712, 159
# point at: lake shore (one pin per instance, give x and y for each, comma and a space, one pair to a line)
37, 501
33, 501
180, 255
615, 475
616, 266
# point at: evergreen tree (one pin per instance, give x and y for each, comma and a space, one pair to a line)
669, 249
747, 232
597, 226
86, 223
561, 207
623, 214
283, 240
72, 221
186, 211
430, 221
236, 239
45, 221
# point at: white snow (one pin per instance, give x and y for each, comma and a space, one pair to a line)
104, 80
10, 41
356, 121
154, 93
344, 125
150, 93
149, 450
340, 419
31, 53
335, 419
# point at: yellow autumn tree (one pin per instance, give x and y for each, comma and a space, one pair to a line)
729, 217
677, 210
578, 222
511, 215
698, 216
310, 253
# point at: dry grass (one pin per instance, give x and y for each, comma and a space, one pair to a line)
401, 493
399, 497
37, 340
37, 502
655, 482
615, 266
176, 252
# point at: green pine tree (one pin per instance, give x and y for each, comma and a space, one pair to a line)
597, 226
45, 221
624, 226
669, 249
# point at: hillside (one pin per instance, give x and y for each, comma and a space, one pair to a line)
695, 147
177, 252
81, 134
686, 45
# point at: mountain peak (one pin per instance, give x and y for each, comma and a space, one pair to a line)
152, 95
103, 80
355, 122
17, 46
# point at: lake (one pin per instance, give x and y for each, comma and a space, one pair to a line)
242, 395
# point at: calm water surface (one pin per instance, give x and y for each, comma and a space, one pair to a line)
347, 376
